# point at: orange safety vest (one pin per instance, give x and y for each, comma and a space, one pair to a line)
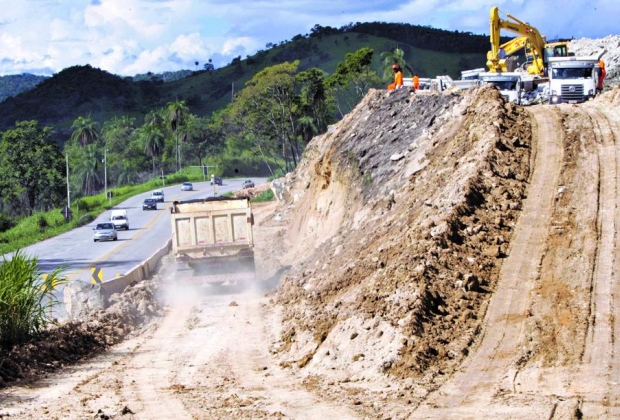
398, 79
602, 74
416, 82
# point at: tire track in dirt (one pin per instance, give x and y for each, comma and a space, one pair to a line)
134, 377
148, 384
490, 370
598, 375
244, 380
614, 379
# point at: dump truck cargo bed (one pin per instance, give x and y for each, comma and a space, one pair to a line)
212, 240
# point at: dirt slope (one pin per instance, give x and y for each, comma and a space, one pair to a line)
451, 256
528, 297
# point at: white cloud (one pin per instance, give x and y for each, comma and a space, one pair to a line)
126, 37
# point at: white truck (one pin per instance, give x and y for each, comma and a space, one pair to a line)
572, 79
508, 83
120, 219
212, 240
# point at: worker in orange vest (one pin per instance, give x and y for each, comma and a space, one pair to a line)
398, 78
601, 75
416, 82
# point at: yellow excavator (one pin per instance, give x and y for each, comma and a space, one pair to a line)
536, 48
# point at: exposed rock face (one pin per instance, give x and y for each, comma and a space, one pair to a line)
401, 254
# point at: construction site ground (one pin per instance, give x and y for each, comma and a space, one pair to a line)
435, 255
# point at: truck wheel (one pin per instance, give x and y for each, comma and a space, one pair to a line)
94, 240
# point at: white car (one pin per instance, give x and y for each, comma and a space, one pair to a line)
187, 186
105, 231
158, 195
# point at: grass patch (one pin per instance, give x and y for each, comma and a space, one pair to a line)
265, 196
26, 299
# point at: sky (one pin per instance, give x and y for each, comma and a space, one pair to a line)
129, 37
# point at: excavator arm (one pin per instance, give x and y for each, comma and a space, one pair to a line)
514, 45
529, 38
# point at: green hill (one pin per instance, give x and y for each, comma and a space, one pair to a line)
15, 84
86, 91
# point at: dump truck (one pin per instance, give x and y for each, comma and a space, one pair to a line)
212, 241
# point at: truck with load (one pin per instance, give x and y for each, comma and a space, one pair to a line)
572, 79
212, 240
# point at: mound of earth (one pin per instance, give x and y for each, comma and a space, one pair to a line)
402, 213
609, 46
70, 342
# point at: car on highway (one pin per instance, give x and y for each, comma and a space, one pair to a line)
158, 195
248, 184
217, 181
149, 204
105, 232
187, 186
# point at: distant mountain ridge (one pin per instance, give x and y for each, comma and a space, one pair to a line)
12, 85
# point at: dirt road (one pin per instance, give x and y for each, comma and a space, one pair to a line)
207, 358
538, 357
490, 370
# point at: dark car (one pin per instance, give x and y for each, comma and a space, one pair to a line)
149, 204
248, 184
217, 181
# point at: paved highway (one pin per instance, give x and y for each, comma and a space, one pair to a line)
149, 230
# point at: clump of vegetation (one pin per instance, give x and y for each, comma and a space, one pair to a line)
265, 196
42, 222
26, 299
6, 222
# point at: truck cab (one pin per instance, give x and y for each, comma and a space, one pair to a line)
572, 80
509, 84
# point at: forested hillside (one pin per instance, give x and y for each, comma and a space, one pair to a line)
253, 116
79, 91
12, 85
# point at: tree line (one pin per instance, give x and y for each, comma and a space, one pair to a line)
269, 122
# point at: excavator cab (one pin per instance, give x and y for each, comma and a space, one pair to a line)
556, 49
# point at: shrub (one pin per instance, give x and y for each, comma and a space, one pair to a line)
83, 204
42, 222
25, 300
6, 222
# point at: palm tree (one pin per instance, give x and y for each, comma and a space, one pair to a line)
176, 117
306, 128
117, 131
155, 119
85, 131
87, 170
152, 141
390, 58
127, 174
